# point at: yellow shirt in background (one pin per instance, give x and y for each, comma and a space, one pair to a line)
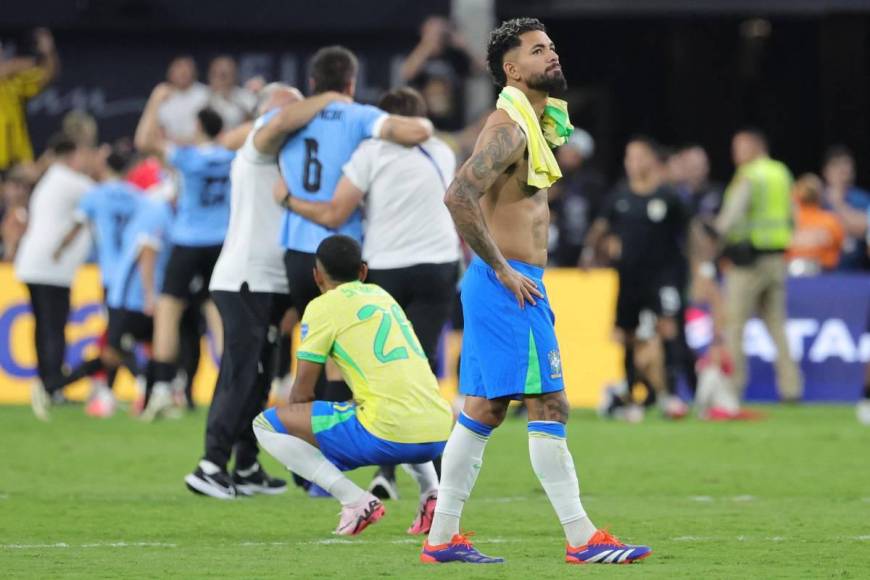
15, 90
367, 334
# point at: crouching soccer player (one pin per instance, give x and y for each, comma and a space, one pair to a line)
397, 416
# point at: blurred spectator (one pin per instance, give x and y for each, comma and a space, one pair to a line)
234, 104
21, 79
52, 208
849, 203
574, 200
439, 67
178, 112
15, 190
818, 236
756, 222
704, 197
81, 127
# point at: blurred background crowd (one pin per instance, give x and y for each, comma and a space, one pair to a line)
36, 84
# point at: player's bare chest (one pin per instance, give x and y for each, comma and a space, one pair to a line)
513, 184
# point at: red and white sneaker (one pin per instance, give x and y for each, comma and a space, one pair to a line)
102, 405
355, 518
423, 522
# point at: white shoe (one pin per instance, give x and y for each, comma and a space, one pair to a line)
40, 401
863, 412
161, 404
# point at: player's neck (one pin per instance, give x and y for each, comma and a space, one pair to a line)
644, 185
538, 99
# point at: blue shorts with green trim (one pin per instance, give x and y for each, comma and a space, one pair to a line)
507, 351
347, 445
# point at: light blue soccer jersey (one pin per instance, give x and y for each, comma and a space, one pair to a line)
311, 162
151, 223
108, 208
204, 198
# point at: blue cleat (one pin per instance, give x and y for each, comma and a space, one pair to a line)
459, 549
603, 548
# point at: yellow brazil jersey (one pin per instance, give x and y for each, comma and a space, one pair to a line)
14, 92
368, 336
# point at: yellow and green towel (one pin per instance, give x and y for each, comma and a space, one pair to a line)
552, 130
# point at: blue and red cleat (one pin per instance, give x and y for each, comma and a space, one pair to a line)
459, 549
603, 548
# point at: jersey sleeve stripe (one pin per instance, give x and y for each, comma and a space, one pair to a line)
311, 357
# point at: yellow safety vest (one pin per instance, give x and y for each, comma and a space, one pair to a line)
768, 224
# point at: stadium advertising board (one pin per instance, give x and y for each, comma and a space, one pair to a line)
827, 330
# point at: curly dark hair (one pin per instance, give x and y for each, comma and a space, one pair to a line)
503, 39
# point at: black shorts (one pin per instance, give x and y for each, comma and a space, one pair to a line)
662, 297
299, 267
127, 328
188, 272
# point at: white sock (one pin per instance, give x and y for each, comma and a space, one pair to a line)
460, 465
306, 460
425, 476
161, 387
208, 467
554, 467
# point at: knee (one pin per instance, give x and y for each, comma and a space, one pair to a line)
490, 413
549, 407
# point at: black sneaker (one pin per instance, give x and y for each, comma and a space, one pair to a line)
384, 487
255, 480
218, 485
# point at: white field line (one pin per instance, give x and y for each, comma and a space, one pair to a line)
342, 541
323, 542
691, 539
710, 499
65, 546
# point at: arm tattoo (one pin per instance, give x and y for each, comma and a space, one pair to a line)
491, 159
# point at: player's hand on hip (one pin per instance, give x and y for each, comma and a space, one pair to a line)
524, 289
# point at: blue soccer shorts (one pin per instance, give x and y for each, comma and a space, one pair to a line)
347, 444
507, 351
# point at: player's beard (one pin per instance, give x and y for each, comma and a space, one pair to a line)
551, 83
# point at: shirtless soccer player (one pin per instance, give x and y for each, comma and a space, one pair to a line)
499, 203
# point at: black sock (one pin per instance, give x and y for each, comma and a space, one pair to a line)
672, 364
86, 369
128, 359
111, 375
159, 372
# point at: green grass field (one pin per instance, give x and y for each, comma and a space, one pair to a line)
788, 497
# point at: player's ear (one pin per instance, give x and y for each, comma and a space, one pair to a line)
363, 272
510, 70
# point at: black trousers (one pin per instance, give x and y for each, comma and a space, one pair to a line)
426, 292
250, 321
303, 289
50, 306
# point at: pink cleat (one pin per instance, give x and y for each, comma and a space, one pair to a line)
355, 518
423, 522
101, 406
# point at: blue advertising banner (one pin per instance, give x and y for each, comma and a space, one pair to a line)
828, 331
